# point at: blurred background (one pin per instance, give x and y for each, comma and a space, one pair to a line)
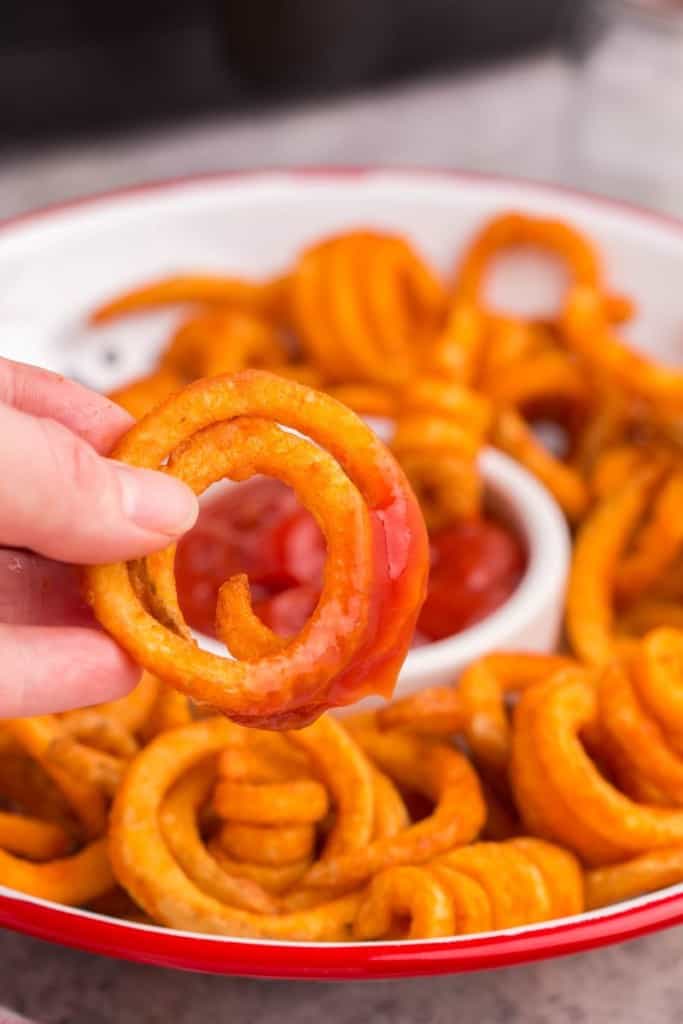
581, 92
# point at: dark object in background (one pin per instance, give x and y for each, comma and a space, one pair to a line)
75, 65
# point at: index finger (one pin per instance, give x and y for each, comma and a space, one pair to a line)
96, 419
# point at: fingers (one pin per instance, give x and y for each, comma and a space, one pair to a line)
93, 417
59, 498
35, 591
46, 669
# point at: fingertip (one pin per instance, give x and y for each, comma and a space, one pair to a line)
156, 502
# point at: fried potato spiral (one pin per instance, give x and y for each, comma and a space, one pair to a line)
224, 426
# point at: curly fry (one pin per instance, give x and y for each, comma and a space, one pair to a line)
646, 873
503, 885
588, 333
404, 892
512, 883
220, 341
559, 791
296, 801
547, 376
641, 707
170, 710
95, 767
260, 844
32, 837
179, 823
86, 798
458, 349
96, 728
201, 289
366, 399
515, 230
26, 787
208, 432
145, 867
277, 880
442, 775
599, 545
440, 429
512, 435
360, 302
475, 709
658, 543
75, 880
390, 814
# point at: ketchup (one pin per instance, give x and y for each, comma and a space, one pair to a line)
260, 529
476, 564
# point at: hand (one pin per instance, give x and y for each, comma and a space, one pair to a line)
63, 502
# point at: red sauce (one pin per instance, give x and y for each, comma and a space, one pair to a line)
260, 529
476, 564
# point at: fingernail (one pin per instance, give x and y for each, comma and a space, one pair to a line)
155, 501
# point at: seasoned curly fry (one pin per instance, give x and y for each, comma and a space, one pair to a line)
259, 844
365, 399
199, 289
32, 837
512, 435
658, 543
646, 873
588, 332
170, 710
101, 730
296, 801
361, 303
440, 429
399, 893
640, 710
145, 866
442, 775
85, 797
179, 822
503, 885
560, 792
209, 432
95, 767
222, 341
475, 709
514, 230
75, 880
600, 544
457, 350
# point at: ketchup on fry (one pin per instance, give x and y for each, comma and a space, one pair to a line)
260, 529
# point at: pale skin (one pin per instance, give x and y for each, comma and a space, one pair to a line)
64, 504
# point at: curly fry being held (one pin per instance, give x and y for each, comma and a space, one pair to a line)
373, 585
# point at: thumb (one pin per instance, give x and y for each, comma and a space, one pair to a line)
59, 498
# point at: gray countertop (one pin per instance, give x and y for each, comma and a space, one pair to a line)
514, 122
636, 983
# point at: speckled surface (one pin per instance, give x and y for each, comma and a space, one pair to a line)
636, 983
512, 122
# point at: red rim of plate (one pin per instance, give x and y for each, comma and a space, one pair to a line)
351, 961
219, 955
